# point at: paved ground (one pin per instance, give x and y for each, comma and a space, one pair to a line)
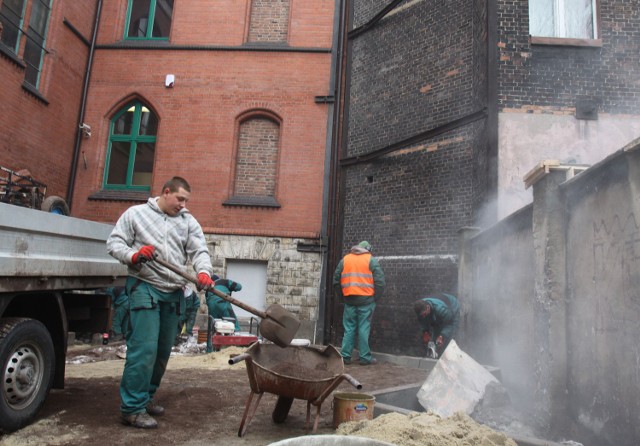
204, 401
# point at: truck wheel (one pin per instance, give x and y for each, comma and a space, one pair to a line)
28, 362
55, 205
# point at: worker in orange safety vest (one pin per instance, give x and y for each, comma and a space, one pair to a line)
359, 279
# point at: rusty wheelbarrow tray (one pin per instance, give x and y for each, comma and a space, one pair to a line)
307, 373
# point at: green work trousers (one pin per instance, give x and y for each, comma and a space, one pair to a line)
152, 330
120, 315
357, 320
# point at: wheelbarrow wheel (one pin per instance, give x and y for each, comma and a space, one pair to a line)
282, 409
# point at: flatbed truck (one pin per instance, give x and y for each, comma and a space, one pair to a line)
53, 272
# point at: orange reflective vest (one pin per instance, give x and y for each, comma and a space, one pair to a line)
356, 278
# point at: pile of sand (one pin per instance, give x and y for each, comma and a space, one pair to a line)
211, 361
214, 361
426, 429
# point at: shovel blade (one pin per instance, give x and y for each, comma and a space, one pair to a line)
279, 326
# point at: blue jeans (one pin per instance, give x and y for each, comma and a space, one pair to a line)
357, 319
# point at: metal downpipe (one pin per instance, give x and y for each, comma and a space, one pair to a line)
83, 104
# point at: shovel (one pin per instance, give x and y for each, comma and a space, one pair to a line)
277, 324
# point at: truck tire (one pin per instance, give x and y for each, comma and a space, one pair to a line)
55, 205
28, 365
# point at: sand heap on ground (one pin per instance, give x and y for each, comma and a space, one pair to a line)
426, 429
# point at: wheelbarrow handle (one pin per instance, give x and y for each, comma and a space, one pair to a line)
237, 359
336, 382
354, 382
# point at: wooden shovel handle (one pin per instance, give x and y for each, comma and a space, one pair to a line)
218, 293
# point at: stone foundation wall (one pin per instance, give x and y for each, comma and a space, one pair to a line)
293, 277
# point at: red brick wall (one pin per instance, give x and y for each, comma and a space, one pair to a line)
257, 158
38, 136
226, 22
269, 21
199, 116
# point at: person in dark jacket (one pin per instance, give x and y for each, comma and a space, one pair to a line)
359, 279
188, 315
217, 306
438, 316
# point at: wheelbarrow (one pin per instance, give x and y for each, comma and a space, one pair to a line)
309, 373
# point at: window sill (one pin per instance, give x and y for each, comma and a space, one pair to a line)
34, 92
6, 52
143, 43
593, 43
120, 195
264, 202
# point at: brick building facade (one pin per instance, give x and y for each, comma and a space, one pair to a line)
221, 93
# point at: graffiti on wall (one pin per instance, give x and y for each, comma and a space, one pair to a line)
616, 258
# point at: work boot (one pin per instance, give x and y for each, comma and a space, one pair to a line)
346, 361
141, 420
373, 361
154, 409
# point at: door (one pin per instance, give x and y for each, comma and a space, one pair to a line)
253, 278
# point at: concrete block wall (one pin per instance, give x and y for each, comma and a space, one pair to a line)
603, 272
552, 301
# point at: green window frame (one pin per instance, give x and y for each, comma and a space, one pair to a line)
148, 20
34, 48
12, 17
131, 153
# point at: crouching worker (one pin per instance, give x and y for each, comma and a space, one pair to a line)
220, 308
438, 316
164, 227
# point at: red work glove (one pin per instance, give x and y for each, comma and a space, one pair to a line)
144, 254
426, 337
204, 281
439, 341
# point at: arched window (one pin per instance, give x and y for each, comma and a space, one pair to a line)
132, 144
256, 171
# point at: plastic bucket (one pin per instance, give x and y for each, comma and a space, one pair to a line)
352, 407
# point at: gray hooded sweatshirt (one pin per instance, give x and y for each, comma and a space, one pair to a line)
176, 239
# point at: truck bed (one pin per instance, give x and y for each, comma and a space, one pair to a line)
45, 251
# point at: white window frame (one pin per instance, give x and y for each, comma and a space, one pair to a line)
560, 31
